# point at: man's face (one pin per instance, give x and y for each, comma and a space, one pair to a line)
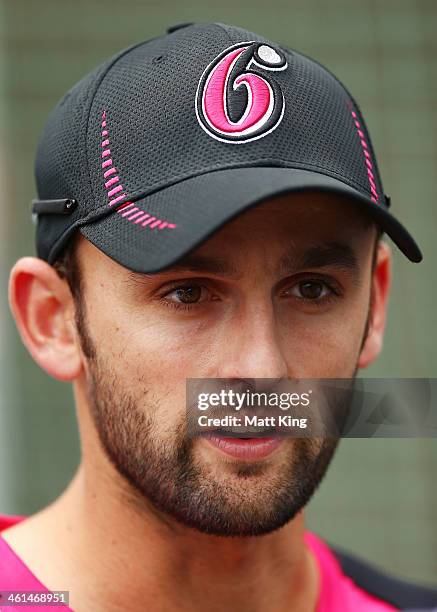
281, 291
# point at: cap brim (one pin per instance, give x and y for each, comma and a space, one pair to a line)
201, 205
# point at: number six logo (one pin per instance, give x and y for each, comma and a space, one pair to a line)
234, 101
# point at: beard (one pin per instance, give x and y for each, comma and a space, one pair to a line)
165, 474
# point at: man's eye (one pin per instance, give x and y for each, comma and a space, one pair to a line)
188, 294
311, 290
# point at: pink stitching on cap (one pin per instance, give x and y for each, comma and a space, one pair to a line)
367, 158
136, 215
109, 172
126, 209
115, 200
111, 182
148, 221
143, 216
128, 212
115, 190
124, 206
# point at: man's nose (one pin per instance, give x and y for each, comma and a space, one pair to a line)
254, 349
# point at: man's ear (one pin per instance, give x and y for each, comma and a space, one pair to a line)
43, 309
381, 280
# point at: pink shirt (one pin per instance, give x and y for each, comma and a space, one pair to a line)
337, 591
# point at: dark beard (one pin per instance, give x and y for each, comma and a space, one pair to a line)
170, 479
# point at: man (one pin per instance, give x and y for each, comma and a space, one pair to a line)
209, 207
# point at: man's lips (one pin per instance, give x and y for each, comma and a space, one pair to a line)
245, 448
241, 432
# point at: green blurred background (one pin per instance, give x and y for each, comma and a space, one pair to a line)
379, 498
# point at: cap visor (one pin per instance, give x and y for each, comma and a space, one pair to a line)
201, 205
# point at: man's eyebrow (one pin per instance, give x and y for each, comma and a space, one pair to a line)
330, 254
334, 254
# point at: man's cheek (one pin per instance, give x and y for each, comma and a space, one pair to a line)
159, 388
328, 351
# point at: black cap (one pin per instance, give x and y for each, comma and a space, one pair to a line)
171, 138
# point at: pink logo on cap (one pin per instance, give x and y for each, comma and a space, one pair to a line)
235, 101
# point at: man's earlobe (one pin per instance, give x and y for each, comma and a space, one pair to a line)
43, 309
381, 280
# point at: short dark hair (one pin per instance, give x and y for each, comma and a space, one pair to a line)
67, 267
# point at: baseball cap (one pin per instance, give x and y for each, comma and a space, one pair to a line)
168, 140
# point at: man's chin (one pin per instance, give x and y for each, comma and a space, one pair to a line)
244, 497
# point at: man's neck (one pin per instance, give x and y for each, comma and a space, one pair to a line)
111, 553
